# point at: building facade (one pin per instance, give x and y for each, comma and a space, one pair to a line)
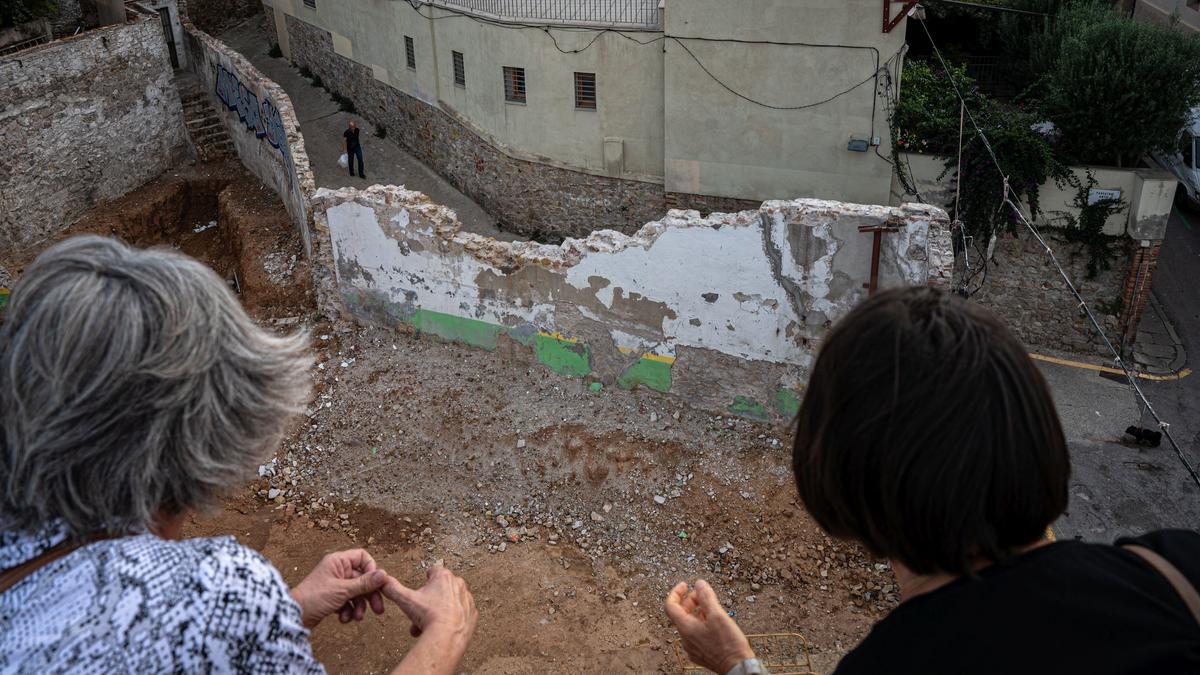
616, 108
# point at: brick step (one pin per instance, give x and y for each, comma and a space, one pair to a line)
204, 125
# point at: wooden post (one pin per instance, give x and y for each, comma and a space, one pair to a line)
876, 243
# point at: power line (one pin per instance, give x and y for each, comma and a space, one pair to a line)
757, 102
1009, 196
455, 13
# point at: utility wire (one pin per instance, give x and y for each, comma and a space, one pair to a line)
456, 13
1009, 196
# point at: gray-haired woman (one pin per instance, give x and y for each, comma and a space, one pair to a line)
133, 391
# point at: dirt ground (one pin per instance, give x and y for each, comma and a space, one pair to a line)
542, 494
569, 512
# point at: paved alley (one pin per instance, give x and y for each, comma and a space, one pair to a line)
322, 123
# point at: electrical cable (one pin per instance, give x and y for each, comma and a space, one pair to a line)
1009, 196
455, 13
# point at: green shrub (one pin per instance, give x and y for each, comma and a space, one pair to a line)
275, 51
345, 104
381, 131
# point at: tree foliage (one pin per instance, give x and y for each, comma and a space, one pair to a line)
926, 120
1117, 88
13, 12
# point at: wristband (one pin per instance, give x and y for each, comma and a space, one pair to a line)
748, 667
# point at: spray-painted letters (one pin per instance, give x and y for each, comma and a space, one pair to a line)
263, 118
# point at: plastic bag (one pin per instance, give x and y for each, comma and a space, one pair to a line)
343, 161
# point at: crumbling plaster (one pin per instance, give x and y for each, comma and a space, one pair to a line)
756, 287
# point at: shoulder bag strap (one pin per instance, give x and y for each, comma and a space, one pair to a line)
14, 575
1182, 586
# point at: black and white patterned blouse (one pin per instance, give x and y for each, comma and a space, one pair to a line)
143, 605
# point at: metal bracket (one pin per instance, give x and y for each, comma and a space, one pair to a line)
889, 21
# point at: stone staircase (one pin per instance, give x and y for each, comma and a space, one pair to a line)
209, 138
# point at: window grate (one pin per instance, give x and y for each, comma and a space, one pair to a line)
460, 71
585, 91
312, 4
514, 84
410, 53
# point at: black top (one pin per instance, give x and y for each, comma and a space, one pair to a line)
351, 139
1067, 607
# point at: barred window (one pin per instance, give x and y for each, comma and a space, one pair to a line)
585, 91
460, 71
514, 84
310, 3
410, 53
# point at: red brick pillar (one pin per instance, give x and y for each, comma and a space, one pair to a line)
1138, 282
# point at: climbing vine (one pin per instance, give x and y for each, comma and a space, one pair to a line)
1087, 228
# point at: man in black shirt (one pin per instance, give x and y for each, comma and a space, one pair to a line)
353, 148
928, 436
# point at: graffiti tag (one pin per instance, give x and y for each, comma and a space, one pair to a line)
262, 118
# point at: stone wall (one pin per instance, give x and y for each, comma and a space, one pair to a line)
531, 199
82, 120
1025, 289
261, 121
634, 311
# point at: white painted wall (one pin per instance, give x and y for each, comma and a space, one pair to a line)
673, 122
392, 243
719, 143
1055, 200
548, 128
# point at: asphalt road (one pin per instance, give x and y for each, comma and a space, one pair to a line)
1119, 489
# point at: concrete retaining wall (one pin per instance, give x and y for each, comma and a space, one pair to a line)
82, 120
635, 311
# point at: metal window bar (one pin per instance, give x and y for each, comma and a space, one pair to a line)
585, 91
514, 84
460, 71
635, 14
410, 53
310, 3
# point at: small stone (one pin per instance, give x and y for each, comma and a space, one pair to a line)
520, 443
502, 547
755, 587
597, 518
607, 508
576, 525
660, 500
272, 493
653, 417
502, 521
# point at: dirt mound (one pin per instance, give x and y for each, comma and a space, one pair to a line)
218, 214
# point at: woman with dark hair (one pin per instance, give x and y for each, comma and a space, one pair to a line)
928, 436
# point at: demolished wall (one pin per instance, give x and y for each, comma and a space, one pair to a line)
724, 311
82, 120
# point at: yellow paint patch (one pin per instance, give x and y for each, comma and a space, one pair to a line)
558, 336
1112, 371
652, 357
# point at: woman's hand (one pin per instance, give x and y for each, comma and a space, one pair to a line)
710, 638
344, 582
443, 616
442, 604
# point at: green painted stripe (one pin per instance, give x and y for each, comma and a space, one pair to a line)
479, 334
651, 373
787, 402
748, 407
565, 357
